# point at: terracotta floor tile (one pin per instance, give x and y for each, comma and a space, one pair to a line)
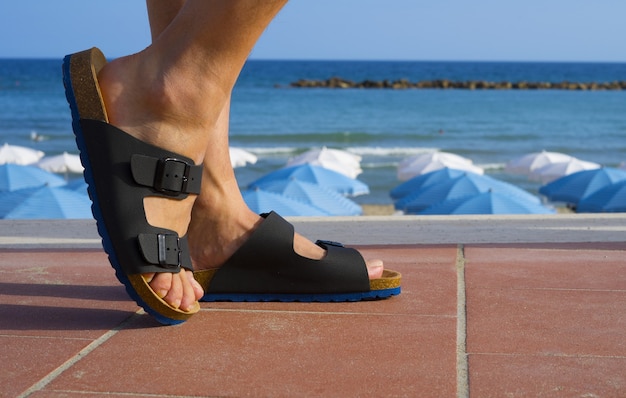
547, 322
546, 376
273, 353
60, 294
429, 276
26, 360
55, 267
82, 319
527, 267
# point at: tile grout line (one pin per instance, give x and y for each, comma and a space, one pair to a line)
462, 375
47, 379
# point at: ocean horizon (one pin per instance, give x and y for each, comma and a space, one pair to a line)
276, 122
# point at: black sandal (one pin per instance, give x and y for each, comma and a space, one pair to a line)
120, 172
266, 268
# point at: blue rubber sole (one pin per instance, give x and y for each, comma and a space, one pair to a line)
95, 207
303, 298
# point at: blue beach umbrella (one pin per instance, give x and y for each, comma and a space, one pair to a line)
610, 199
315, 195
76, 185
466, 184
574, 187
423, 180
260, 201
487, 203
14, 177
326, 178
44, 203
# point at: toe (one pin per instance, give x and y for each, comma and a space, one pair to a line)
174, 296
197, 288
374, 268
161, 283
188, 298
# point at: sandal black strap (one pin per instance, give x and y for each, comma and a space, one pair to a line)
268, 264
170, 176
128, 171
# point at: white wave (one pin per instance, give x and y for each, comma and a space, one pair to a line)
379, 165
272, 151
361, 151
390, 151
492, 166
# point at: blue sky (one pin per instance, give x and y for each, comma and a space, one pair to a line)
501, 30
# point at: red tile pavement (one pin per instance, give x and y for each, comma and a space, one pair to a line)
539, 320
52, 305
546, 320
541, 376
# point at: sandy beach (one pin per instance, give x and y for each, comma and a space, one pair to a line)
378, 210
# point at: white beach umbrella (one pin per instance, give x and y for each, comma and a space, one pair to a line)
427, 162
240, 157
526, 164
19, 154
553, 171
63, 163
338, 160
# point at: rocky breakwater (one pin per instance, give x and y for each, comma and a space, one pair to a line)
402, 84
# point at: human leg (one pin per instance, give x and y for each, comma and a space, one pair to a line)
220, 208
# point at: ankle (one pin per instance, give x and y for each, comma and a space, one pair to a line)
154, 109
183, 91
217, 229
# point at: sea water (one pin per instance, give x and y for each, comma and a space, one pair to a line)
276, 122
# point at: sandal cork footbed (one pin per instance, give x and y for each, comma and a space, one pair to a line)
86, 103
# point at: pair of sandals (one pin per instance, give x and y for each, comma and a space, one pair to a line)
121, 171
